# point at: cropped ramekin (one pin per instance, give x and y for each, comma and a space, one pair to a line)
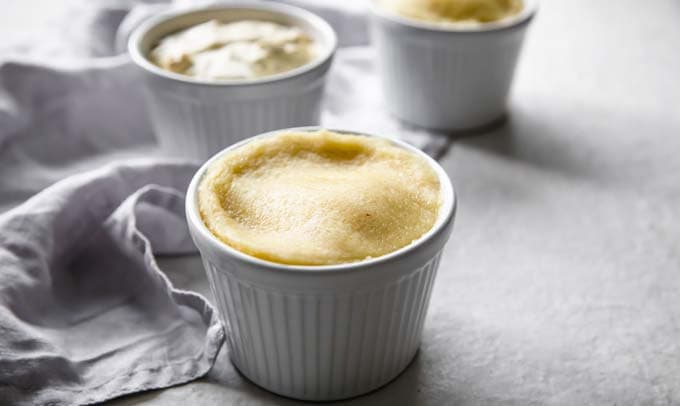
195, 118
323, 332
448, 77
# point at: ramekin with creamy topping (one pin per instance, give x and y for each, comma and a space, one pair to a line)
218, 74
448, 64
320, 301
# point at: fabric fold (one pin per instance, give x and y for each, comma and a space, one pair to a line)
87, 315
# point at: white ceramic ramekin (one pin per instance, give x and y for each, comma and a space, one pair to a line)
323, 332
195, 118
447, 77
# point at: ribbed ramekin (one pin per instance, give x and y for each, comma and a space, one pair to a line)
446, 76
323, 332
195, 118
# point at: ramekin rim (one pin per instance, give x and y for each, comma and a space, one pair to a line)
523, 17
195, 221
141, 60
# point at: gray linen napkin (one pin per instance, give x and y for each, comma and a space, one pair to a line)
85, 313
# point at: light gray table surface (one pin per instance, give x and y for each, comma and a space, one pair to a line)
561, 283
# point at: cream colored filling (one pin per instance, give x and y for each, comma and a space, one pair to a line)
455, 11
319, 198
238, 50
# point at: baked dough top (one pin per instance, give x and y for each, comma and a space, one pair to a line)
319, 198
455, 11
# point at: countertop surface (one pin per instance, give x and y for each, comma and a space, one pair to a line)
561, 282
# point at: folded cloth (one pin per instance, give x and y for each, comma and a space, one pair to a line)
85, 313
